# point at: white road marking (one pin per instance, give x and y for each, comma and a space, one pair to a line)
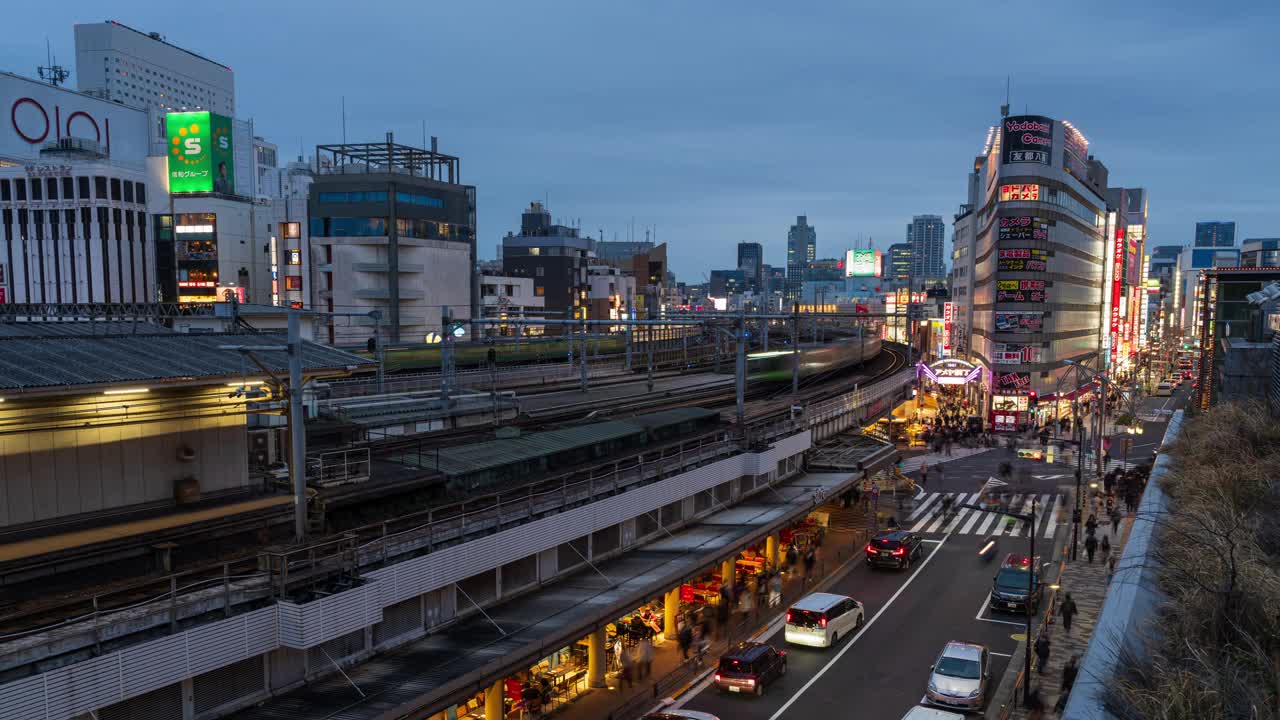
1051, 523
937, 519
993, 652
866, 626
932, 542
988, 518
960, 515
983, 606
916, 513
1003, 622
973, 518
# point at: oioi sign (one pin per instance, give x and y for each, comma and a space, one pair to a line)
200, 153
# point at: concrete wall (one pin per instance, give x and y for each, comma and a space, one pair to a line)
60, 458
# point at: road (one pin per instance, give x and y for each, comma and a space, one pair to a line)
881, 672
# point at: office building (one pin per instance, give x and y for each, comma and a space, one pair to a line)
899, 270
138, 69
1190, 291
392, 231
1040, 211
956, 323
1161, 277
802, 249
620, 252
725, 284
825, 270
925, 236
1215, 234
556, 257
751, 261
1260, 252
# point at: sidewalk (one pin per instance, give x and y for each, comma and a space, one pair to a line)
671, 674
1087, 582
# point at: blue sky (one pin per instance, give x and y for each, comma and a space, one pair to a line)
717, 122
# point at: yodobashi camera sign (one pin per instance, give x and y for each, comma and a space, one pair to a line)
200, 153
1027, 138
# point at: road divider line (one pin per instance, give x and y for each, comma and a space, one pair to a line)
993, 652
865, 627
983, 606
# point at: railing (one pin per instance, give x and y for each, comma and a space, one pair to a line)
858, 399
338, 467
1006, 710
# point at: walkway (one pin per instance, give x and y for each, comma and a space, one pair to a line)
912, 463
1087, 583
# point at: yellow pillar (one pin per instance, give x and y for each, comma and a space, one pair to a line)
771, 551
727, 569
493, 709
671, 614
595, 658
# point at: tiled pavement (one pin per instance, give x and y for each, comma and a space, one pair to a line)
1087, 583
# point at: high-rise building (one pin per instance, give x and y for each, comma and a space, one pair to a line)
899, 264
751, 261
558, 259
802, 249
1041, 213
138, 69
926, 235
1215, 234
1260, 252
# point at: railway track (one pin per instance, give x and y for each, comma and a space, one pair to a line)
764, 403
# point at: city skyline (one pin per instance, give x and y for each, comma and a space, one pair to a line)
607, 156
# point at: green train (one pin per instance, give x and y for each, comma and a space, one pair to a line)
776, 365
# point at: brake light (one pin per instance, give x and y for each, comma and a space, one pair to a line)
751, 681
822, 622
717, 677
900, 552
870, 549
788, 616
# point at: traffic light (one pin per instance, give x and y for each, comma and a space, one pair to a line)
1032, 398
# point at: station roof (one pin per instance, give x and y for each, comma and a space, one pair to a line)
499, 453
673, 416
62, 365
74, 328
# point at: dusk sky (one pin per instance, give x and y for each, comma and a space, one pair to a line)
720, 122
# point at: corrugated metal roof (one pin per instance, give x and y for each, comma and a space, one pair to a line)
673, 416
497, 453
74, 328
34, 363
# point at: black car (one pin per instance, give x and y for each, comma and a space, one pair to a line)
1017, 584
894, 548
748, 667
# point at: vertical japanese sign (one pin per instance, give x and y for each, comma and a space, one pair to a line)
948, 314
1117, 278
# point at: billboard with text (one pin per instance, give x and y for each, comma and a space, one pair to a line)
200, 153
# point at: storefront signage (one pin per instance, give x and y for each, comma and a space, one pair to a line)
1004, 421
1027, 138
200, 153
686, 593
1023, 260
1012, 381
1020, 291
1009, 403
1019, 192
1023, 227
1117, 281
950, 372
1010, 354
948, 314
1019, 322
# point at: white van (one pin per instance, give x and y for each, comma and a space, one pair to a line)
818, 620
921, 712
1164, 388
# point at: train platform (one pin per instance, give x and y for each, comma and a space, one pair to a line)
157, 525
588, 401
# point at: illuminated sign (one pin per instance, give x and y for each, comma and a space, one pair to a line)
862, 263
1019, 322
1027, 138
1019, 192
950, 372
1020, 291
1009, 403
200, 153
1023, 259
1010, 354
948, 314
1012, 381
1023, 227
1145, 307
1114, 267
1075, 152
196, 284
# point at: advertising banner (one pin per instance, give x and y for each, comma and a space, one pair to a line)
861, 263
1006, 382
1023, 260
1011, 354
950, 372
1027, 138
1022, 191
1075, 152
1023, 227
1019, 322
948, 314
1117, 278
200, 153
1020, 291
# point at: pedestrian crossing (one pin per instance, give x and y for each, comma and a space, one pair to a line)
927, 517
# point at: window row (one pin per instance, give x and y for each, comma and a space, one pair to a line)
72, 188
353, 197
377, 226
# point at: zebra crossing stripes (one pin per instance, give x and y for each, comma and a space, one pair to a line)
927, 517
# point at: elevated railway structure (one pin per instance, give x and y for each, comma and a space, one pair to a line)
302, 612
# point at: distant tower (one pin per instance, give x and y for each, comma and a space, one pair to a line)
802, 249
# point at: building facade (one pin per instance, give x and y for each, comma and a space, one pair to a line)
392, 231
899, 270
1215, 234
138, 69
926, 235
555, 256
1260, 252
751, 261
802, 249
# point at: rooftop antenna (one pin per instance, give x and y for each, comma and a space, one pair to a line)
344, 119
52, 73
1008, 87
424, 132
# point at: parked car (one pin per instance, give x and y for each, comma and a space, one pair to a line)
894, 548
820, 619
921, 712
749, 667
680, 715
1010, 589
1164, 388
960, 676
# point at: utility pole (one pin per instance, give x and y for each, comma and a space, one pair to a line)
740, 371
649, 346
379, 351
297, 432
795, 352
583, 359
446, 354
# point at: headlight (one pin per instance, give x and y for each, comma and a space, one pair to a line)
974, 694
933, 686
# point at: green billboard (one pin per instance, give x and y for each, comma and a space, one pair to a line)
200, 157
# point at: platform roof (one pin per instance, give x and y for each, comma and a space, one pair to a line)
499, 453
65, 365
76, 328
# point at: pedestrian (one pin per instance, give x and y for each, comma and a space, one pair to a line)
924, 474
809, 560
1069, 672
875, 495
1042, 651
939, 469
1111, 567
685, 638
628, 668
1105, 547
1067, 610
1091, 525
1090, 546
792, 557
775, 590
1115, 521
645, 652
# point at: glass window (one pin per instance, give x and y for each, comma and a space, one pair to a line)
115, 188
140, 191
51, 188
417, 199
100, 187
20, 188
128, 191
352, 197
293, 282
348, 227
5, 191
68, 188
295, 256
37, 192
538, 291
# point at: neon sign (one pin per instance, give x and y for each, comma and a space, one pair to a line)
1019, 192
950, 372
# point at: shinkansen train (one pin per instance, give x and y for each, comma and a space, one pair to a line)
775, 365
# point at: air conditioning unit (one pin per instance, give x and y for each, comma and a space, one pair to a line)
264, 447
